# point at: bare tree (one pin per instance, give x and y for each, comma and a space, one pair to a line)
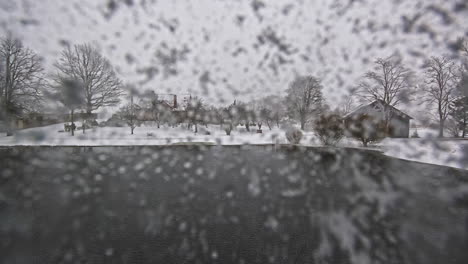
229, 119
160, 111
21, 80
70, 93
264, 113
277, 104
195, 112
389, 82
441, 82
304, 97
129, 113
85, 64
347, 106
271, 109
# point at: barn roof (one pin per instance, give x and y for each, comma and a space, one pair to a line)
376, 106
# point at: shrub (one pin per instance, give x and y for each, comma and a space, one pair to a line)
329, 128
294, 135
366, 128
415, 134
92, 122
228, 129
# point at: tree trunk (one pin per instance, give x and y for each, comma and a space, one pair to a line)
131, 130
196, 128
268, 124
89, 109
158, 120
364, 143
387, 128
441, 128
72, 130
247, 126
302, 125
388, 117
229, 130
464, 128
6, 97
8, 121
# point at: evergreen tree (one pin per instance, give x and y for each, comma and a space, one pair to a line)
459, 112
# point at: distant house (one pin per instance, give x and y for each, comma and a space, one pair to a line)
399, 121
170, 107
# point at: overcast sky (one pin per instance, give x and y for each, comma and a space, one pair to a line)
239, 49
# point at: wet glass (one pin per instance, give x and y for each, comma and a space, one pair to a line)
250, 131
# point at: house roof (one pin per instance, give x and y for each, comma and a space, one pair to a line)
376, 106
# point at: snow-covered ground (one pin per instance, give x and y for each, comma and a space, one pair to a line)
143, 135
428, 148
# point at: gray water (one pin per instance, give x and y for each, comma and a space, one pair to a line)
230, 204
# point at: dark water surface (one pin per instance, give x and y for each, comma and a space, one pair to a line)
257, 204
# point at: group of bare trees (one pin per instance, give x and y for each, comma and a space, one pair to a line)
439, 89
304, 99
21, 80
443, 90
83, 79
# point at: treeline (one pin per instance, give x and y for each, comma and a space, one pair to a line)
266, 112
82, 79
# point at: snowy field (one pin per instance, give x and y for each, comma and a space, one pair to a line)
143, 135
427, 149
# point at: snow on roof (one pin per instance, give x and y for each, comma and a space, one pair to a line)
377, 106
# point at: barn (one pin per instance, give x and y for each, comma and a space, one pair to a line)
399, 121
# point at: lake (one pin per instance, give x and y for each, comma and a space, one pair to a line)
228, 204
